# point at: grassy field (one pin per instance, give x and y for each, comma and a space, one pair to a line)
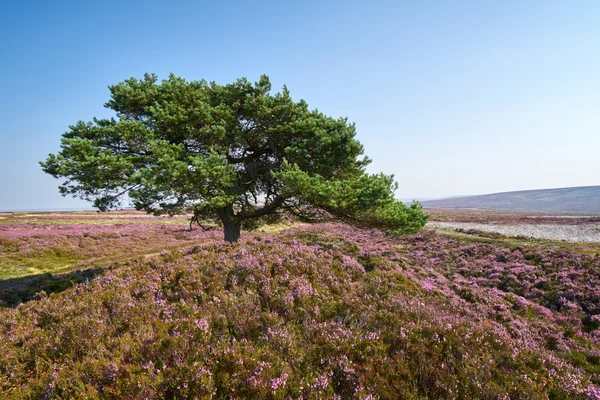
38, 243
127, 306
53, 251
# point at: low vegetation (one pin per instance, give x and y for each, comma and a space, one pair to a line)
313, 311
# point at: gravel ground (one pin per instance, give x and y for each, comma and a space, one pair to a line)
588, 233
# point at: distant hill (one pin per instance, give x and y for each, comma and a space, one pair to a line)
585, 199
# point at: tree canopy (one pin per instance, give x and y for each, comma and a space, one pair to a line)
236, 153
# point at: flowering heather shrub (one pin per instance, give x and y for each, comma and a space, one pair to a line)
28, 248
33, 246
559, 280
321, 311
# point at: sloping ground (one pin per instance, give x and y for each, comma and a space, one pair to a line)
54, 251
321, 311
584, 200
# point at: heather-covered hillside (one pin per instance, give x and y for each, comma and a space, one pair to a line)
317, 311
584, 199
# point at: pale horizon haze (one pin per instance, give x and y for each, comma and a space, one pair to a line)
453, 98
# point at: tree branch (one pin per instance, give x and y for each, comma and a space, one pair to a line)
267, 209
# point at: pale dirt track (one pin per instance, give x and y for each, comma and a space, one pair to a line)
584, 233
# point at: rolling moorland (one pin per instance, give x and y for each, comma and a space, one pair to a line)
579, 200
125, 305
570, 228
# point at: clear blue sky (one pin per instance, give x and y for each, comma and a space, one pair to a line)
460, 97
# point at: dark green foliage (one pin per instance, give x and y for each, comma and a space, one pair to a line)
233, 153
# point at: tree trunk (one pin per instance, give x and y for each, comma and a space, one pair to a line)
231, 224
231, 228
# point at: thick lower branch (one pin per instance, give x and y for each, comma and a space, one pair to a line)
267, 209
